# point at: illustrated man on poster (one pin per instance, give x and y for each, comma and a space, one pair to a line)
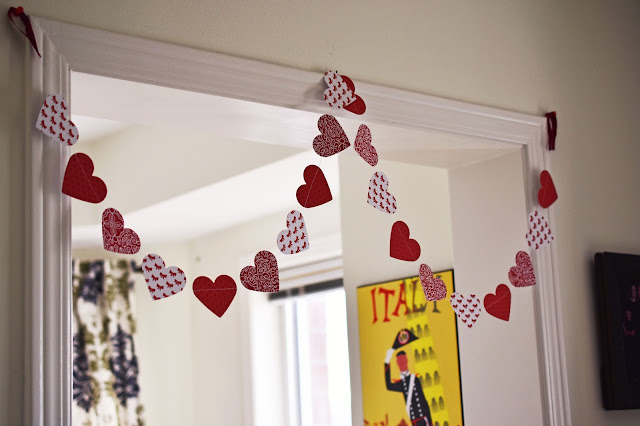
408, 384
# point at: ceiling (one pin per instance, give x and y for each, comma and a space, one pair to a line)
105, 109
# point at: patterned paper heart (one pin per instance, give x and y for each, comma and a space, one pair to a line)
547, 194
401, 246
294, 239
499, 304
162, 282
315, 191
264, 276
332, 139
379, 196
79, 181
522, 274
340, 93
434, 288
467, 308
363, 146
539, 232
54, 122
216, 296
115, 236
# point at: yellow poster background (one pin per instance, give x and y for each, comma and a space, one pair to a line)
383, 310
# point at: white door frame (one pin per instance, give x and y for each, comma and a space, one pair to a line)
67, 47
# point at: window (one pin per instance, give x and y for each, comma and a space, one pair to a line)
319, 391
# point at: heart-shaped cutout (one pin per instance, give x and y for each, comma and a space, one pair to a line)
315, 191
522, 275
115, 236
499, 304
332, 138
53, 121
363, 146
79, 181
161, 281
467, 308
264, 276
216, 296
547, 194
379, 195
539, 232
434, 288
401, 246
340, 93
295, 238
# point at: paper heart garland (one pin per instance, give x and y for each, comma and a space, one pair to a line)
340, 93
499, 304
54, 122
539, 232
332, 138
263, 276
115, 236
294, 239
79, 181
315, 191
467, 308
161, 281
379, 196
522, 274
401, 246
363, 146
547, 194
434, 288
216, 296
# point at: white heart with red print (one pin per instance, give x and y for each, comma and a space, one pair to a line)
162, 282
467, 308
294, 239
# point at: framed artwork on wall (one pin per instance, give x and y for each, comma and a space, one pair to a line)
418, 342
618, 300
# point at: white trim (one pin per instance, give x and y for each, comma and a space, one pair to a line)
91, 51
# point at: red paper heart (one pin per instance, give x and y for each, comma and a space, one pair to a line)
499, 304
401, 246
315, 191
357, 107
547, 194
216, 296
79, 181
264, 276
522, 274
115, 236
363, 146
434, 288
161, 281
332, 139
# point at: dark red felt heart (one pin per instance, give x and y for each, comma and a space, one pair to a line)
316, 190
332, 138
216, 296
264, 275
499, 304
79, 181
401, 246
547, 194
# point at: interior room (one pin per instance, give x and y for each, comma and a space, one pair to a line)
245, 79
207, 181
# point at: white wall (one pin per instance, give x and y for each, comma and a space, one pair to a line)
164, 339
578, 57
422, 195
498, 360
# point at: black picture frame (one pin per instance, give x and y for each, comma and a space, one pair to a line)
618, 303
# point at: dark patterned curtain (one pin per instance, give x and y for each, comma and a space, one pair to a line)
105, 365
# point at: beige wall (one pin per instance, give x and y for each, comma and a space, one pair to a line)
578, 57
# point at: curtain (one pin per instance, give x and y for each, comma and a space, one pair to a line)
105, 365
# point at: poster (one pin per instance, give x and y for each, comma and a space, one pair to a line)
417, 344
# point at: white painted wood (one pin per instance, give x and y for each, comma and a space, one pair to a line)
97, 52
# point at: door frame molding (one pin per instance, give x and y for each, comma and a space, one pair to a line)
66, 47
